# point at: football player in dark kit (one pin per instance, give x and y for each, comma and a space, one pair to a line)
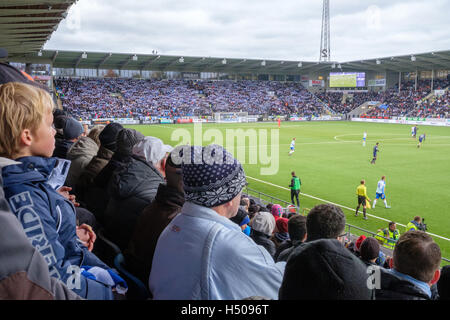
375, 151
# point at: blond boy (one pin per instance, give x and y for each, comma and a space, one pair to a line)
48, 219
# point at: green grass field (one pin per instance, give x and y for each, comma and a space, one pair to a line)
330, 160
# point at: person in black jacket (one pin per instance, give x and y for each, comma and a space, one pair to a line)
263, 224
134, 187
297, 235
414, 269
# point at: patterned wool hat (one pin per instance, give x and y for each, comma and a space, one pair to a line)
277, 211
211, 176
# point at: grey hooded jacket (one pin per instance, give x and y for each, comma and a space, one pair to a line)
80, 154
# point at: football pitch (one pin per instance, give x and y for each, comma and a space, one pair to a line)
330, 160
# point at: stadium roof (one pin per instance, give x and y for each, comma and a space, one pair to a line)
156, 62
25, 25
129, 61
439, 60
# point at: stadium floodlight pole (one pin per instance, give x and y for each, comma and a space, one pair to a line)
325, 34
432, 79
415, 81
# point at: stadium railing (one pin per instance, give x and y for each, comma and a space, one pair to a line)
352, 232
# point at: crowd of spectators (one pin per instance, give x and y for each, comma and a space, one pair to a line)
411, 102
120, 98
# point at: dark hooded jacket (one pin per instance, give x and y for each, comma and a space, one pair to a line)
396, 288
130, 190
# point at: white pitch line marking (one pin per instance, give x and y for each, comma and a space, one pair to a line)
339, 205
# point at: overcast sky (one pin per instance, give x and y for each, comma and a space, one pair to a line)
263, 29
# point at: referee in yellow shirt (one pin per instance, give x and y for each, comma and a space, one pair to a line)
361, 192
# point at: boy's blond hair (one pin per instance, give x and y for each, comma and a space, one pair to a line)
22, 106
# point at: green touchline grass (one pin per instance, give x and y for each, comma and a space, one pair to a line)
330, 160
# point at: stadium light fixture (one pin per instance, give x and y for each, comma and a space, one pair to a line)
224, 61
263, 63
299, 64
135, 58
181, 60
413, 58
40, 53
333, 66
378, 61
84, 55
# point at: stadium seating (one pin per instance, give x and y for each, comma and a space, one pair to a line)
104, 98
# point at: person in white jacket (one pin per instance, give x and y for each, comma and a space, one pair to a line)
202, 254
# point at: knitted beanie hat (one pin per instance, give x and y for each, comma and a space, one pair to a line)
360, 240
72, 129
282, 225
127, 139
108, 136
211, 176
277, 210
263, 222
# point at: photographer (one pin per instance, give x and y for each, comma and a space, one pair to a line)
416, 224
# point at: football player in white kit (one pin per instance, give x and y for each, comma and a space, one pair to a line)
292, 146
380, 193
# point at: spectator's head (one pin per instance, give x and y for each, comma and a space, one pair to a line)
277, 211
370, 249
263, 222
297, 228
72, 129
417, 255
94, 133
443, 285
325, 221
126, 140
281, 229
269, 207
108, 136
241, 219
212, 178
358, 242
418, 219
245, 202
324, 270
154, 151
392, 226
174, 177
59, 120
252, 210
26, 121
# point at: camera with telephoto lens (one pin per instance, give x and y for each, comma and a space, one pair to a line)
422, 226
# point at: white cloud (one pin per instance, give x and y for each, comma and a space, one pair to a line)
265, 29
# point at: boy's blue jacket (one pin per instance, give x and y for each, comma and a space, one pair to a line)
49, 221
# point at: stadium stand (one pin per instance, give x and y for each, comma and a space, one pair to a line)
102, 98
